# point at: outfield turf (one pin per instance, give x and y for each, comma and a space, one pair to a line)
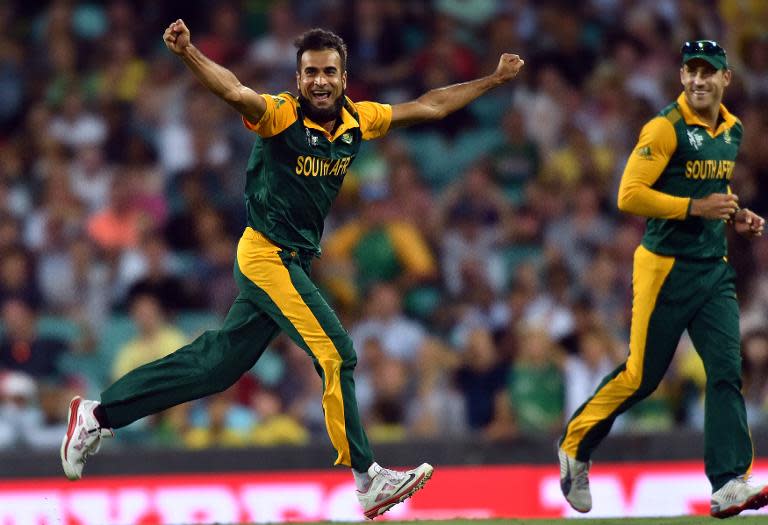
683, 520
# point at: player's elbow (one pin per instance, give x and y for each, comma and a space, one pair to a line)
622, 202
627, 198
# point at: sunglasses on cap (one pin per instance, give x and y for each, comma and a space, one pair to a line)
702, 47
707, 50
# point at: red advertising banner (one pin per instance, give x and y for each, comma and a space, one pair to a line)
626, 489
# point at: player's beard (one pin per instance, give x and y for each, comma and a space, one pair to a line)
321, 115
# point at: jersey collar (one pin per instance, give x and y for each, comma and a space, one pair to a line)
347, 122
691, 118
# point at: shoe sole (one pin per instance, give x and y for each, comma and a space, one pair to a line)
758, 501
74, 406
417, 485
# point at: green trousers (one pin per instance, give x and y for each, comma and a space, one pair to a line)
275, 293
669, 296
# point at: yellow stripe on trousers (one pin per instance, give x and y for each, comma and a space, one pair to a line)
259, 261
648, 276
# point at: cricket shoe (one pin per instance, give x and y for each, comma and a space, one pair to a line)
574, 481
737, 495
390, 487
83, 437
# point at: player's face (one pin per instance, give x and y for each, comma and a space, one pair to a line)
703, 84
321, 81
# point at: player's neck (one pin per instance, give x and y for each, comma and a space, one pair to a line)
709, 115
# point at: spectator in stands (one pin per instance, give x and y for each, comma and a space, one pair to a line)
473, 220
437, 408
480, 378
379, 246
17, 276
42, 429
154, 269
18, 397
221, 423
755, 376
119, 225
156, 337
596, 356
22, 347
535, 387
273, 425
514, 162
386, 416
384, 320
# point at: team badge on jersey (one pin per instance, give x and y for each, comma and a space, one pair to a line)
695, 139
727, 136
347, 138
644, 152
311, 138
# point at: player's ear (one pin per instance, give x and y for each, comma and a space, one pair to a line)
298, 82
344, 80
727, 76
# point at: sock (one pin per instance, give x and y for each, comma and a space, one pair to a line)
362, 480
101, 416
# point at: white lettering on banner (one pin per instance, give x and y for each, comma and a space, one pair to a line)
199, 504
673, 494
30, 507
636, 489
607, 497
277, 501
668, 494
342, 504
90, 507
131, 505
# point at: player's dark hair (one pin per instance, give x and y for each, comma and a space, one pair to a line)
318, 39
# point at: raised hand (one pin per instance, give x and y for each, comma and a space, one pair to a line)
177, 37
715, 206
509, 66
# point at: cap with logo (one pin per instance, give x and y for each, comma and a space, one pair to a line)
707, 50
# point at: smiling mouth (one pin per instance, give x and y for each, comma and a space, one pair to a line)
321, 96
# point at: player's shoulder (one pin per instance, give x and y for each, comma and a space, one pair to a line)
286, 97
671, 113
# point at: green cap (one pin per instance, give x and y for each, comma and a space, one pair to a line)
708, 50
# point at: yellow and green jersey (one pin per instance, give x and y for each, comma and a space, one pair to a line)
296, 167
678, 158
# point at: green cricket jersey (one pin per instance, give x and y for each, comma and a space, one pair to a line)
296, 167
681, 157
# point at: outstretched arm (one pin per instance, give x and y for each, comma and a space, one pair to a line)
438, 103
219, 80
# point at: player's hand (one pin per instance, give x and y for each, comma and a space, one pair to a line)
509, 66
715, 206
177, 37
748, 223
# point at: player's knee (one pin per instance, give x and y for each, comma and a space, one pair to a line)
647, 387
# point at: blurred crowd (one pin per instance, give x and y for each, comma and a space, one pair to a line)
479, 264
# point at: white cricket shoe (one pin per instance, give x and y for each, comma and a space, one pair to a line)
83, 437
390, 487
574, 481
737, 495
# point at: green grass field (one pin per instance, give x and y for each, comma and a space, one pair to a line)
683, 520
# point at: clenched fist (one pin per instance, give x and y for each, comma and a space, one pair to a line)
509, 66
177, 37
715, 206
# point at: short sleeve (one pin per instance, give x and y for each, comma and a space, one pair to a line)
280, 113
374, 119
